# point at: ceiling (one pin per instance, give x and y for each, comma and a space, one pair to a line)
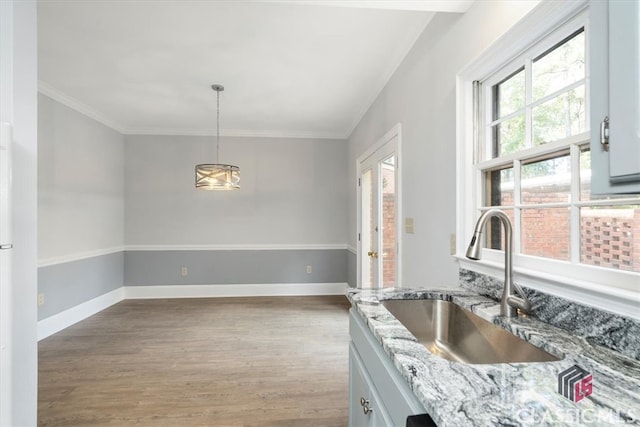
290, 68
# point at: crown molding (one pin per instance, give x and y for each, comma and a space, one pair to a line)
68, 101
236, 133
76, 105
459, 6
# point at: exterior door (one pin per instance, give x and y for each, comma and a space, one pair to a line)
378, 184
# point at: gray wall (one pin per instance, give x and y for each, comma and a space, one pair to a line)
68, 284
80, 207
234, 267
421, 96
80, 183
292, 205
293, 192
352, 269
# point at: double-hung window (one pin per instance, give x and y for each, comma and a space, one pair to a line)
527, 153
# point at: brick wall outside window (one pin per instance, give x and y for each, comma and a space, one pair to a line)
607, 235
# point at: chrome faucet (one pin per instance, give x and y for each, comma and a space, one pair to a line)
510, 301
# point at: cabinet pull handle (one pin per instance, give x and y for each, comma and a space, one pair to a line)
365, 406
604, 133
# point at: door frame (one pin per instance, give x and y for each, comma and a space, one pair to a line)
393, 136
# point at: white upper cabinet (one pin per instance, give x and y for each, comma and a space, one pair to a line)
615, 94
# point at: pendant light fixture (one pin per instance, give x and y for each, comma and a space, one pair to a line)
217, 176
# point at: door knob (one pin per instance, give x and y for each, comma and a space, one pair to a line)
373, 254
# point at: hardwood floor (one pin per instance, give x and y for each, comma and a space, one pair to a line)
269, 361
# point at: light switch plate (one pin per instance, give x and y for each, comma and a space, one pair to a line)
408, 225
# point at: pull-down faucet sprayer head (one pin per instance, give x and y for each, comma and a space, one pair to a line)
475, 246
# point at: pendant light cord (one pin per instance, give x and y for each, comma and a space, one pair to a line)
218, 127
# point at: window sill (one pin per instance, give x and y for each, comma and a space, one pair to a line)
604, 297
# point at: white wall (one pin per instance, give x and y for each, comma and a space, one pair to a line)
80, 184
292, 192
18, 105
421, 96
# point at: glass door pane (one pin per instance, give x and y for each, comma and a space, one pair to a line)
369, 238
388, 221
378, 211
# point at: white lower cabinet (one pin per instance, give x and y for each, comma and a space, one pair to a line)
378, 395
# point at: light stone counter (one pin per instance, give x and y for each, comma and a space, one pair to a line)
457, 394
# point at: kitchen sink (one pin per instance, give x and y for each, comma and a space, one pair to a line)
454, 333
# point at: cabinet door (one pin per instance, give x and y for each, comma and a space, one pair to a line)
361, 389
624, 91
615, 93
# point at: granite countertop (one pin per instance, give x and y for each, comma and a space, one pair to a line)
457, 394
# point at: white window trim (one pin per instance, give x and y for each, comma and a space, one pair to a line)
612, 290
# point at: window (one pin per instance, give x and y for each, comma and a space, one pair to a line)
536, 163
529, 156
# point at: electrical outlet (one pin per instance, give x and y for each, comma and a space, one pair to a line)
452, 243
184, 272
40, 299
309, 269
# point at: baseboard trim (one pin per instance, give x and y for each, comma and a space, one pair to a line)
237, 290
73, 315
64, 319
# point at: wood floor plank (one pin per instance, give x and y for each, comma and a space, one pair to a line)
268, 361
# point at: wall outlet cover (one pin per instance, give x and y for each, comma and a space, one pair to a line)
408, 225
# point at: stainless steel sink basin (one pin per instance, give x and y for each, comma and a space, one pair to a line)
454, 333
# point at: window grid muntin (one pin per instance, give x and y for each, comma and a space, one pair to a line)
528, 109
567, 39
539, 101
525, 62
574, 205
574, 224
561, 42
568, 30
495, 96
